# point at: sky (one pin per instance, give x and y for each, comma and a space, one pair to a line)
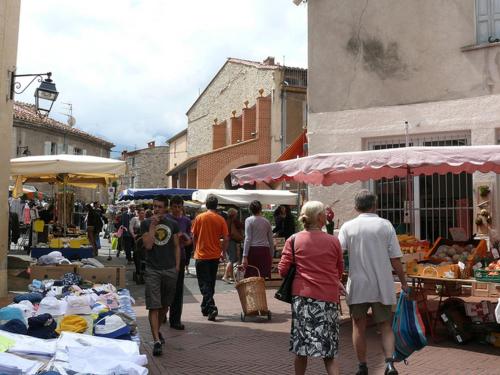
132, 68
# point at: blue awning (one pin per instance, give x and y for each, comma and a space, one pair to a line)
131, 194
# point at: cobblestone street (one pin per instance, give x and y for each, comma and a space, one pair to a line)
258, 346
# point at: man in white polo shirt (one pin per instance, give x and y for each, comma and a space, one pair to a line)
374, 252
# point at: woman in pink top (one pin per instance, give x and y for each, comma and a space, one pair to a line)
316, 290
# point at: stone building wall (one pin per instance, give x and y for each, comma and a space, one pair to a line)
232, 86
148, 167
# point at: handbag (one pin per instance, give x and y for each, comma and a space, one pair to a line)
284, 293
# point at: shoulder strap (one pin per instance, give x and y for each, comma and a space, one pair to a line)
292, 242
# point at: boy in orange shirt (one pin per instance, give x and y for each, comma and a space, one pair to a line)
208, 230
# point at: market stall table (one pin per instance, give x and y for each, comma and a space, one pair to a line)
446, 288
69, 253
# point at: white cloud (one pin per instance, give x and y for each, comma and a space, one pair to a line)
132, 68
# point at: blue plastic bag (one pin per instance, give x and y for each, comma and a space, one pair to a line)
408, 328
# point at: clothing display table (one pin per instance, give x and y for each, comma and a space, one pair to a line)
71, 254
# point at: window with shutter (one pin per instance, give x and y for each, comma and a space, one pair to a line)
84, 152
60, 148
47, 147
487, 20
71, 150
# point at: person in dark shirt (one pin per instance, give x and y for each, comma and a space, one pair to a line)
94, 227
185, 239
284, 221
127, 239
160, 236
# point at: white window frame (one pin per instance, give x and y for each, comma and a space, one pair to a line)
487, 14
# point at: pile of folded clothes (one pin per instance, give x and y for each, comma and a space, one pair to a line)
53, 325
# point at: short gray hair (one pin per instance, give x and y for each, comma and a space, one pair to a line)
365, 200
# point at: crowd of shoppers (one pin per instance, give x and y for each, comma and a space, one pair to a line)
168, 240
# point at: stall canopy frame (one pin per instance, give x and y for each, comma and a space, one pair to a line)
241, 197
76, 170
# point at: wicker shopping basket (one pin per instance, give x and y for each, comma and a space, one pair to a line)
252, 293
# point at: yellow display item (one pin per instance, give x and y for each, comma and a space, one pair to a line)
38, 225
411, 245
75, 243
72, 323
84, 241
56, 243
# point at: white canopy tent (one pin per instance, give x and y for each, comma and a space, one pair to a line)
76, 170
243, 197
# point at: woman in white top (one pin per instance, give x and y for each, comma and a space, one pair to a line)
258, 246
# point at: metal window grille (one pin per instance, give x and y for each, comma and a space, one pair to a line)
436, 202
296, 77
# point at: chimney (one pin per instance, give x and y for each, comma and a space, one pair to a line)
269, 60
151, 144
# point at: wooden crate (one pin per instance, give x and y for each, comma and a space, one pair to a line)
480, 289
105, 275
50, 272
480, 245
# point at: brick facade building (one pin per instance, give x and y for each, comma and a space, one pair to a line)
248, 114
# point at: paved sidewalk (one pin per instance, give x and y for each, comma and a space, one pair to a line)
258, 346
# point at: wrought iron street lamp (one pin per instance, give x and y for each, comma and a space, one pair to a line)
45, 95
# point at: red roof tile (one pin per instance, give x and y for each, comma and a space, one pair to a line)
27, 113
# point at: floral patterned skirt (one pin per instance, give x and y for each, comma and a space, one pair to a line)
315, 328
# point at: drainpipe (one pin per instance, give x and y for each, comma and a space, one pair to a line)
283, 115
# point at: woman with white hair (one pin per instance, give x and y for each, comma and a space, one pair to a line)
316, 289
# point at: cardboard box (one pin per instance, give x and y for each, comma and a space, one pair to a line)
105, 275
482, 312
17, 279
50, 272
431, 270
480, 289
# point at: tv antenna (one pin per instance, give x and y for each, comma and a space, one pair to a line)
71, 121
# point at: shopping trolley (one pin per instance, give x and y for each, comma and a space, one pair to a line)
252, 293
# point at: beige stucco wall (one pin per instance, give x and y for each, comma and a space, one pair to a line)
178, 153
368, 54
9, 29
375, 65
234, 84
35, 140
344, 131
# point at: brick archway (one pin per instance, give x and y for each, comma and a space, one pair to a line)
243, 160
